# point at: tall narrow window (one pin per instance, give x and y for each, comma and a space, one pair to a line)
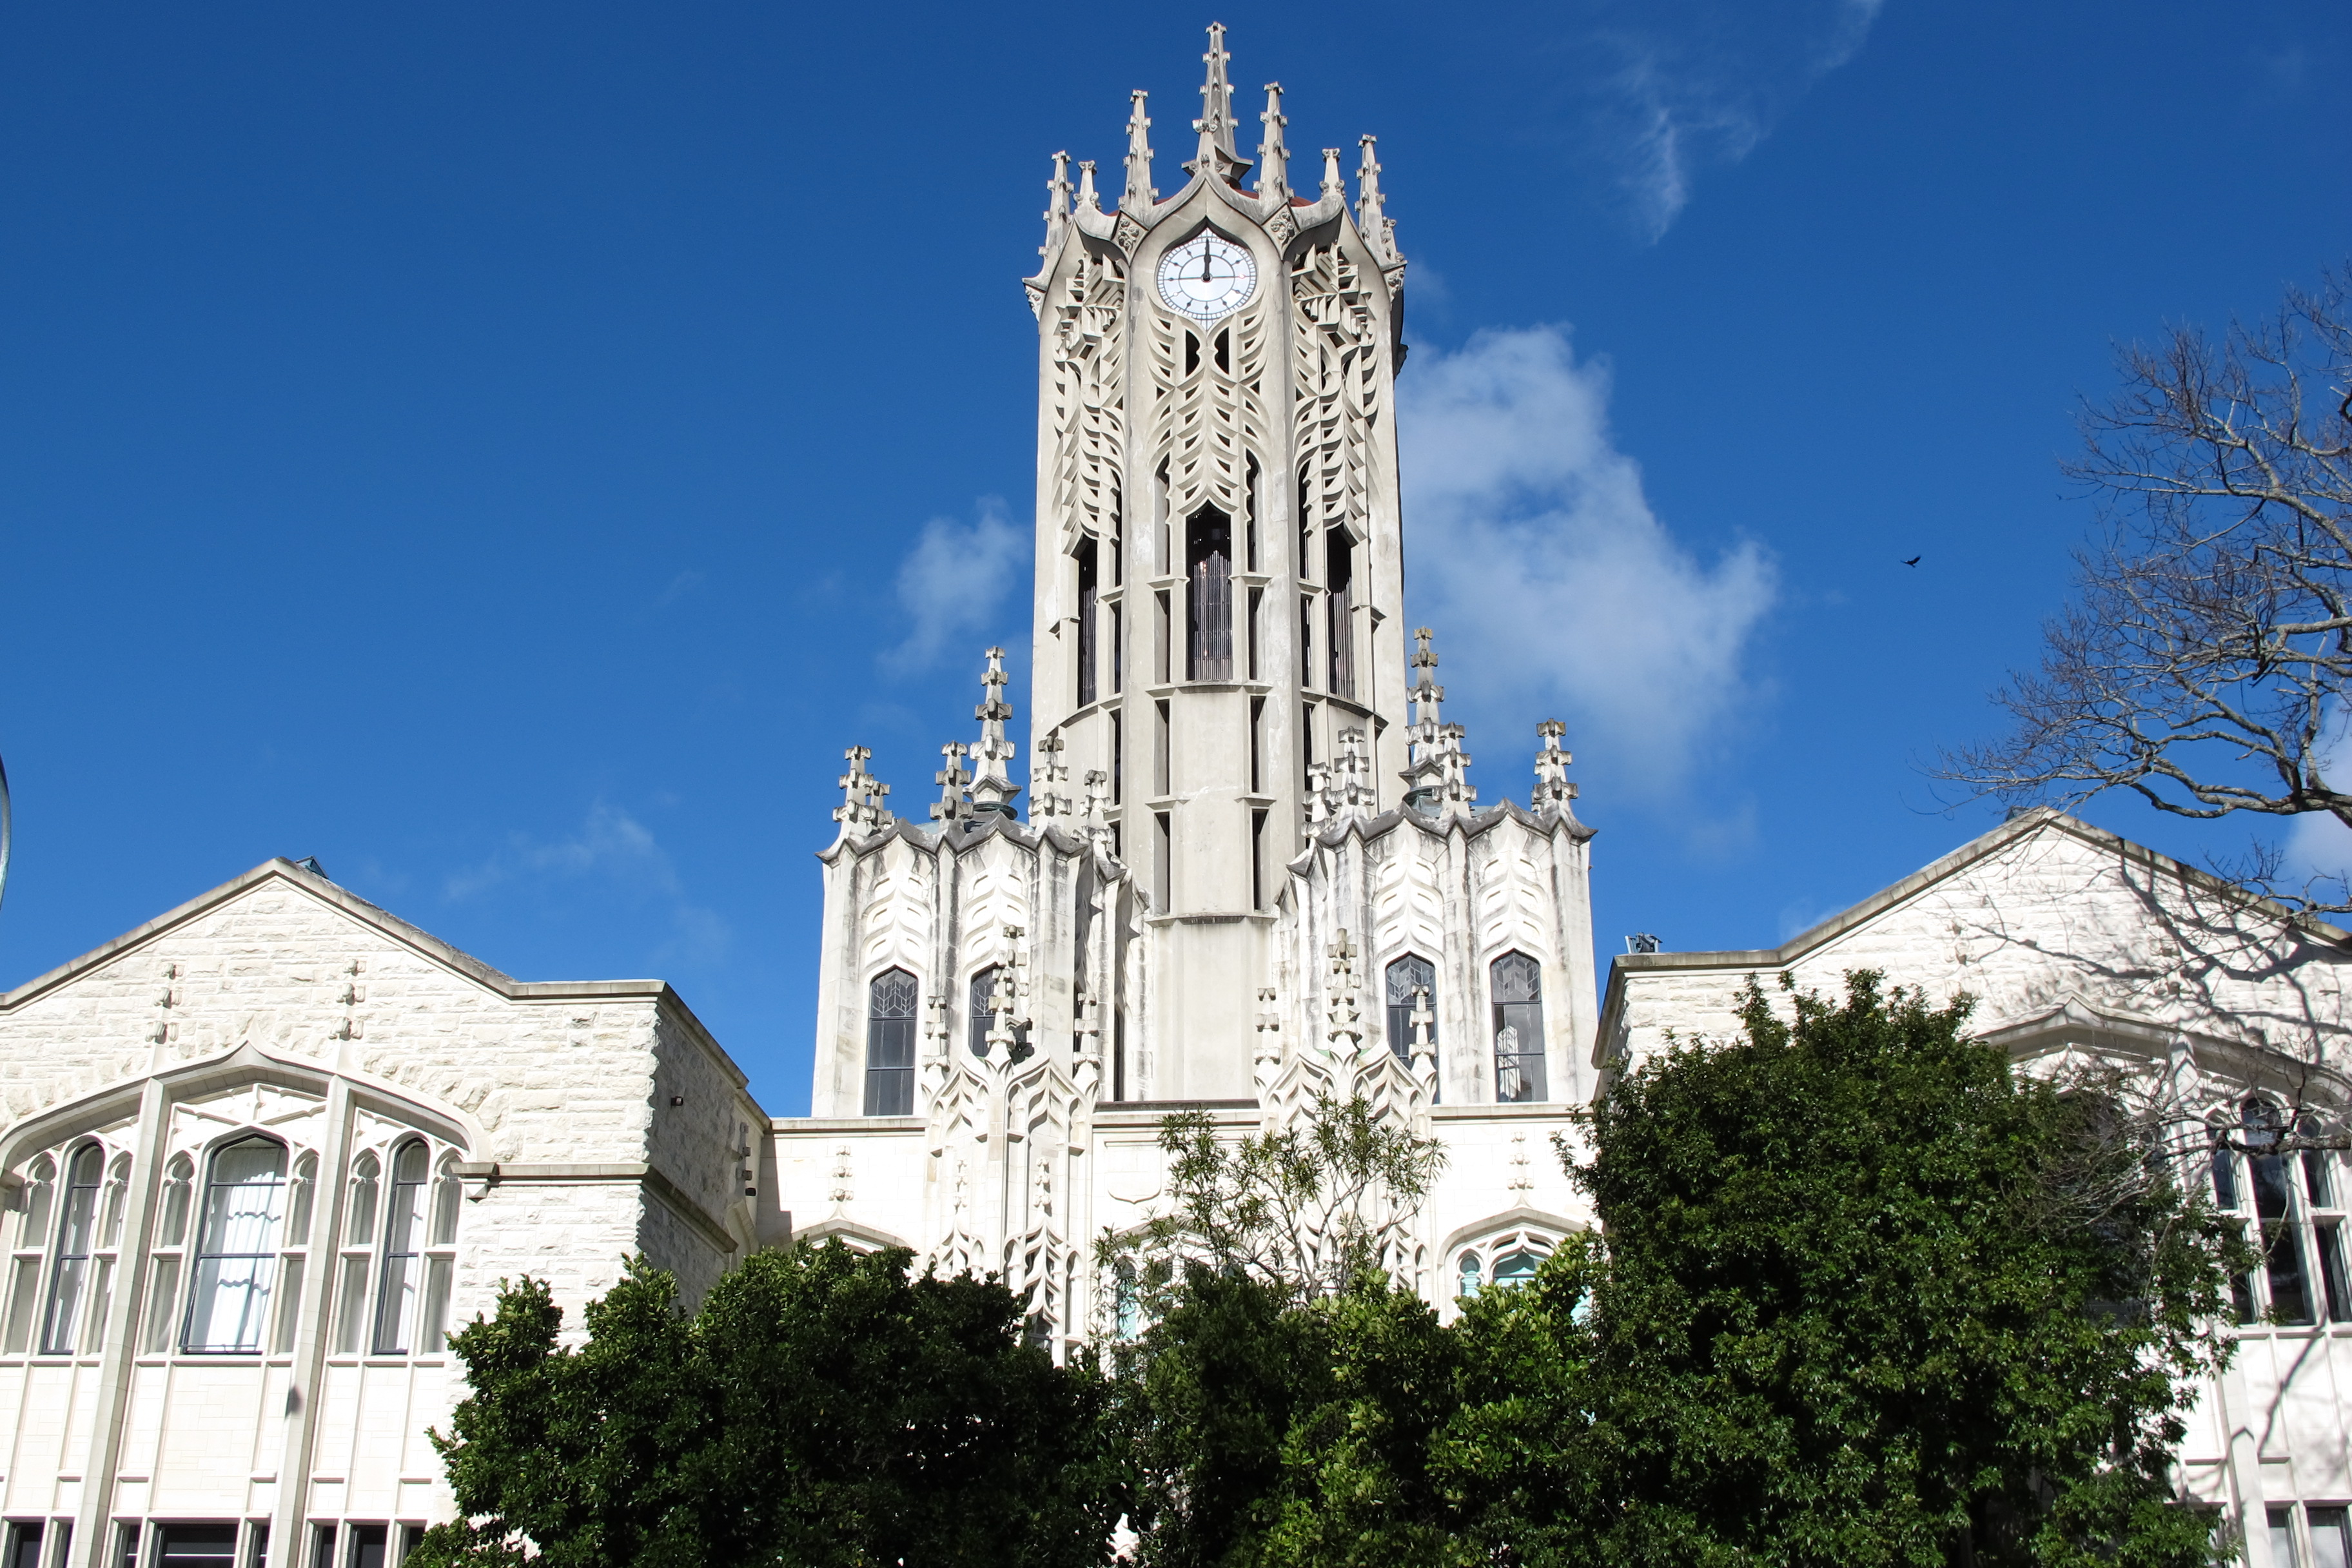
1209, 557
1118, 651
164, 1269
1119, 1053
1225, 351
1117, 759
1160, 511
890, 1043
1518, 983
1306, 640
32, 1238
1340, 633
1164, 869
1086, 589
1257, 722
1412, 985
1257, 860
1306, 533
2275, 1209
1161, 764
403, 1243
237, 1248
77, 1233
1249, 512
1160, 638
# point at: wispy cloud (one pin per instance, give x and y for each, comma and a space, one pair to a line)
1667, 89
615, 850
1535, 554
2317, 843
682, 584
953, 583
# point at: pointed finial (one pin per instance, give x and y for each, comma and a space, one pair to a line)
954, 805
1553, 791
1057, 202
1139, 195
992, 788
861, 809
1087, 197
1334, 182
1046, 775
1217, 157
1097, 793
1369, 216
1436, 783
1272, 157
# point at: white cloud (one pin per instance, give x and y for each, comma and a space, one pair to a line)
1670, 88
954, 582
1534, 553
612, 847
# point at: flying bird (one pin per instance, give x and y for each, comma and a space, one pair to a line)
1913, 562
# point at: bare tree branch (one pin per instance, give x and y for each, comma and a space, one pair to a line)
2205, 663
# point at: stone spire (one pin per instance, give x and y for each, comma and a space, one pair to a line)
1088, 200
1437, 782
1098, 827
1046, 775
861, 795
1553, 791
954, 805
992, 788
1218, 156
1335, 184
1058, 205
1378, 230
1139, 195
1272, 157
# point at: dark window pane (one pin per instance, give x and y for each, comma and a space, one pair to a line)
2329, 1546
890, 1043
2290, 1291
1517, 985
1087, 591
25, 1545
368, 1541
2317, 1179
2225, 1175
1209, 557
196, 1546
2271, 1197
2331, 1273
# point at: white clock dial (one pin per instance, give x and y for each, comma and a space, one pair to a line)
1207, 277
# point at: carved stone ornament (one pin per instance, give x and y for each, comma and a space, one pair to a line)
1282, 227
1128, 235
1036, 292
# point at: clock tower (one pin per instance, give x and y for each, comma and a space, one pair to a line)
1219, 626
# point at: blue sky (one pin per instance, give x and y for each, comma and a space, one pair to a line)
508, 452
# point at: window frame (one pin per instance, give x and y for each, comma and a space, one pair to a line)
1536, 1087
199, 1252
894, 1094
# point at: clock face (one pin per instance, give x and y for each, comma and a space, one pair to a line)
1207, 277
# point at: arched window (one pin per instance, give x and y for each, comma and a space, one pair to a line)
890, 1043
1209, 557
179, 1180
447, 1192
1339, 635
1412, 986
404, 1241
1471, 1271
237, 1248
982, 1010
1517, 982
77, 1239
1516, 1266
1088, 556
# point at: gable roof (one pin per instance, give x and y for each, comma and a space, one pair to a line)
1984, 846
391, 926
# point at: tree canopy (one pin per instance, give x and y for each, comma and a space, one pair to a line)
822, 1408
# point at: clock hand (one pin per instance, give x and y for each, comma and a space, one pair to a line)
1204, 266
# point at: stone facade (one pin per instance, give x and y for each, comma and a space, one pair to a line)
552, 1130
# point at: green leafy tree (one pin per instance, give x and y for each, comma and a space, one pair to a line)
1305, 1209
1854, 1310
821, 1410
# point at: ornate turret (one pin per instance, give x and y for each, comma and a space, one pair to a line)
1553, 791
1218, 155
1058, 205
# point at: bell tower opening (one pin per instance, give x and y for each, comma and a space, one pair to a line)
1209, 617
